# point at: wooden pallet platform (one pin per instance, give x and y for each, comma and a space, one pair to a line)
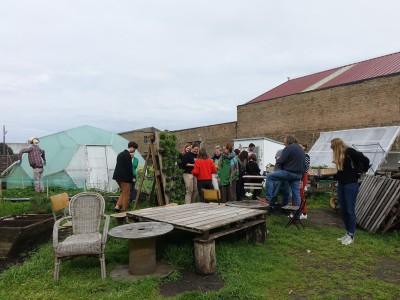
378, 204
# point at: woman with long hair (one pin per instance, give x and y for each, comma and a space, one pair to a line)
349, 164
187, 162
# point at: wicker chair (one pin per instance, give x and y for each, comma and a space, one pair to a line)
86, 212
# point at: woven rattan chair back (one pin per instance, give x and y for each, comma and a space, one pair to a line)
86, 214
86, 210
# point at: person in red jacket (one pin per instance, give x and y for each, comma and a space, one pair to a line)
203, 169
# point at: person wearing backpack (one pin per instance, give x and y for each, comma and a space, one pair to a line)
350, 164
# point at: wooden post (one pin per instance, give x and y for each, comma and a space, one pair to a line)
205, 258
259, 234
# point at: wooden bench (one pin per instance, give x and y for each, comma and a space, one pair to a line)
248, 186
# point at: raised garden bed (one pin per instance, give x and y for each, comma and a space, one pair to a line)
21, 232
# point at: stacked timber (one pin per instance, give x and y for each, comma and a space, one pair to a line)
378, 204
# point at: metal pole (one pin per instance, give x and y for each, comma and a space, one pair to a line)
4, 139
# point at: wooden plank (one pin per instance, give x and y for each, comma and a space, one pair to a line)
367, 197
377, 197
230, 230
381, 202
211, 224
209, 221
391, 222
366, 200
391, 197
198, 217
183, 210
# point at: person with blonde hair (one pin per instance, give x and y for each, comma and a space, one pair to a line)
350, 163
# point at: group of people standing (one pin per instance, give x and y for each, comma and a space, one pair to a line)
225, 170
202, 172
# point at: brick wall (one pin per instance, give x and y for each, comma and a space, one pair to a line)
140, 137
370, 103
210, 136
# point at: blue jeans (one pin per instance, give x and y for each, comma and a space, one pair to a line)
283, 175
283, 186
347, 195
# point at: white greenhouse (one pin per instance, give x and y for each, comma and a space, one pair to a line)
81, 157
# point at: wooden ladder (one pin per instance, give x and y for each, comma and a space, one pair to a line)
154, 157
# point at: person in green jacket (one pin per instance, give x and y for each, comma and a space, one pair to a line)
135, 163
228, 173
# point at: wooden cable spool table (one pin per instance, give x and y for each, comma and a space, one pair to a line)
256, 204
142, 250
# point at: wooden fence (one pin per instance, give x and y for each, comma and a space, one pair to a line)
378, 204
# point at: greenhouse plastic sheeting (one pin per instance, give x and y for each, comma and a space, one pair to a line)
81, 157
374, 142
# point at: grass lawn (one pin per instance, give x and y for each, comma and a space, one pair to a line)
292, 264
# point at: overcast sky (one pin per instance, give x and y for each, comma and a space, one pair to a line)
173, 64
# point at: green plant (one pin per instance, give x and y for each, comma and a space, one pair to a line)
174, 187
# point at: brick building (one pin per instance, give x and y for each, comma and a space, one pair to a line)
363, 94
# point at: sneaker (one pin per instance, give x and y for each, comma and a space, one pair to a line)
348, 240
303, 217
343, 237
291, 215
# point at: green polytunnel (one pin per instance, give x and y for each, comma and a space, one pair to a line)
81, 157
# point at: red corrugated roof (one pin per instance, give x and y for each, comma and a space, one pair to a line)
376, 67
293, 86
368, 69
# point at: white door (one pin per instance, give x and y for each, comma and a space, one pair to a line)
97, 168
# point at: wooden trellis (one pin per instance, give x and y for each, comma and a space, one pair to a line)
154, 158
378, 204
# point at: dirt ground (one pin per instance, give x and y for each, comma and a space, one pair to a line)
386, 270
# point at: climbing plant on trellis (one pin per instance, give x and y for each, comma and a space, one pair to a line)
174, 187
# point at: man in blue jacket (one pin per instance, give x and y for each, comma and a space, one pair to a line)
292, 162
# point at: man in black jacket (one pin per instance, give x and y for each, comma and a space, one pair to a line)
123, 174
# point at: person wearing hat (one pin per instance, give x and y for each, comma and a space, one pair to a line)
36, 160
